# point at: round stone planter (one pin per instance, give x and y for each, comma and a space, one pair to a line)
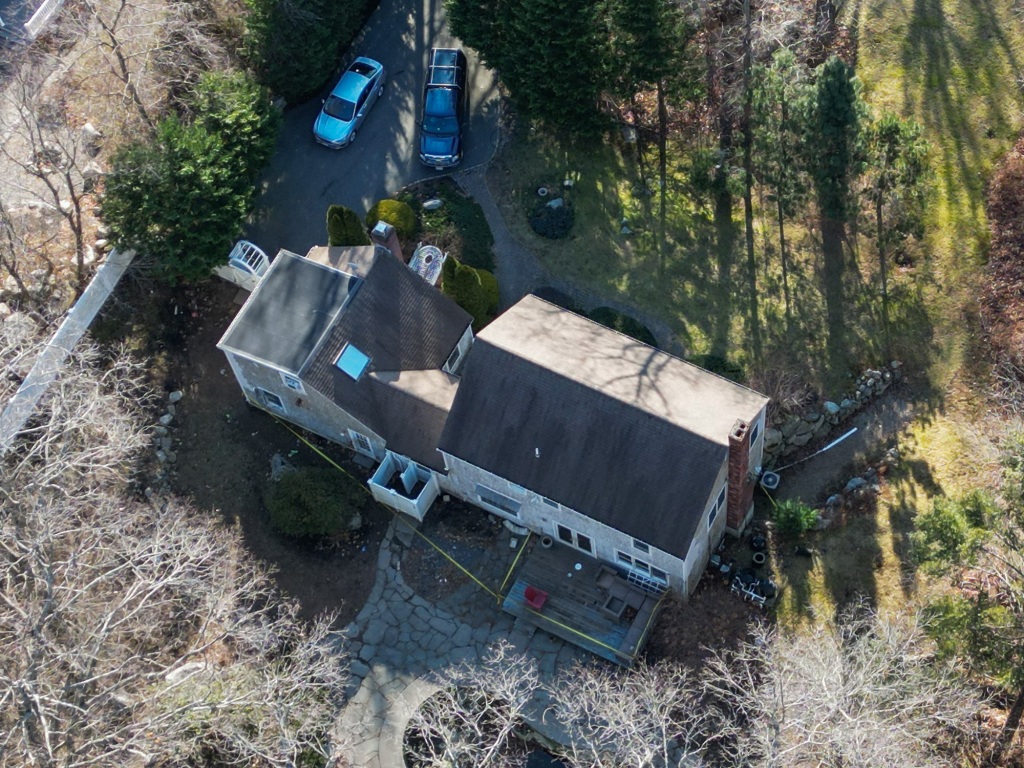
759, 559
546, 542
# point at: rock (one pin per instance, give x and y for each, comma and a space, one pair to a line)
11, 285
171, 409
88, 257
161, 456
171, 457
800, 439
92, 139
175, 396
824, 521
102, 244
831, 409
625, 231
102, 230
791, 426
91, 174
161, 431
355, 522
568, 183
871, 474
166, 419
772, 437
854, 484
835, 500
5, 311
556, 203
279, 466
165, 443
67, 206
849, 405
432, 204
513, 543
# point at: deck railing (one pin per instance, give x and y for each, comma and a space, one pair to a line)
42, 15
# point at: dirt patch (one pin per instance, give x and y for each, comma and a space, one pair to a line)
713, 619
465, 533
224, 446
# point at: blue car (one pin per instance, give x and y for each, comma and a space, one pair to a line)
346, 108
444, 108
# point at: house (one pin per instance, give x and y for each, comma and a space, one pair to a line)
616, 449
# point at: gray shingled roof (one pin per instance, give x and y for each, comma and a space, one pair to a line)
404, 325
626, 434
288, 313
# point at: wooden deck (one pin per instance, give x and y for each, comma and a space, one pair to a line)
589, 604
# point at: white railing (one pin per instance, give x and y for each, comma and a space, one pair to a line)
42, 15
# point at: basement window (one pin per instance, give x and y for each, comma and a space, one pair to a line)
353, 362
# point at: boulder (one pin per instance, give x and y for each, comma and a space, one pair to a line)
92, 139
854, 484
432, 205
175, 396
831, 409
835, 500
790, 427
800, 439
166, 419
772, 437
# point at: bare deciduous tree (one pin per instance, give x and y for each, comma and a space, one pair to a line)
647, 716
468, 723
44, 151
865, 691
133, 633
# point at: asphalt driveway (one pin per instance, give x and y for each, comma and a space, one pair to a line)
304, 177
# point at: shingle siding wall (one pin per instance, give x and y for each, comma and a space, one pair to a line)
310, 411
542, 518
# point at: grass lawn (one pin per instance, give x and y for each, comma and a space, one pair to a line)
955, 66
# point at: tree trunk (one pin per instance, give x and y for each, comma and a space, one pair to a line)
662, 169
1013, 718
748, 185
782, 253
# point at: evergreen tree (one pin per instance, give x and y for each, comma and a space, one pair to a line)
896, 164
549, 53
833, 131
473, 290
344, 227
182, 200
780, 94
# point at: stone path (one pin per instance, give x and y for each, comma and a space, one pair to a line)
399, 638
519, 272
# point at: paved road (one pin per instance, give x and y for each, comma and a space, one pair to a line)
304, 178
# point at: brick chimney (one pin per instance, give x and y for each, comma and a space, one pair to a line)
384, 234
741, 486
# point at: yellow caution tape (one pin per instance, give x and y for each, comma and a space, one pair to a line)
498, 597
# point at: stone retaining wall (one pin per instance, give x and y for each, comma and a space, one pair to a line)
783, 440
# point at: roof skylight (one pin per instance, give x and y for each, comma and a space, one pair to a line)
352, 362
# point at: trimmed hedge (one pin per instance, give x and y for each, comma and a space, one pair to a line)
475, 290
396, 213
344, 227
314, 501
611, 318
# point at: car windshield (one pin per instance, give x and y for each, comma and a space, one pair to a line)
440, 125
342, 109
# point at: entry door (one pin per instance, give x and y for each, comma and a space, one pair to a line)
567, 535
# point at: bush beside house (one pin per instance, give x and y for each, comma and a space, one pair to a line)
475, 290
344, 227
315, 502
396, 213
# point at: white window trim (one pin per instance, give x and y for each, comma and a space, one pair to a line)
575, 535
641, 546
293, 383
266, 395
361, 443
640, 566
515, 506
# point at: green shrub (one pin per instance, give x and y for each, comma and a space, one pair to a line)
344, 227
1012, 460
458, 226
552, 223
314, 502
794, 518
721, 366
611, 318
396, 213
475, 290
490, 285
182, 198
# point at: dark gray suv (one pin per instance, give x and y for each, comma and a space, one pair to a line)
444, 108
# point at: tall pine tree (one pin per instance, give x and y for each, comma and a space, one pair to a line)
833, 132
